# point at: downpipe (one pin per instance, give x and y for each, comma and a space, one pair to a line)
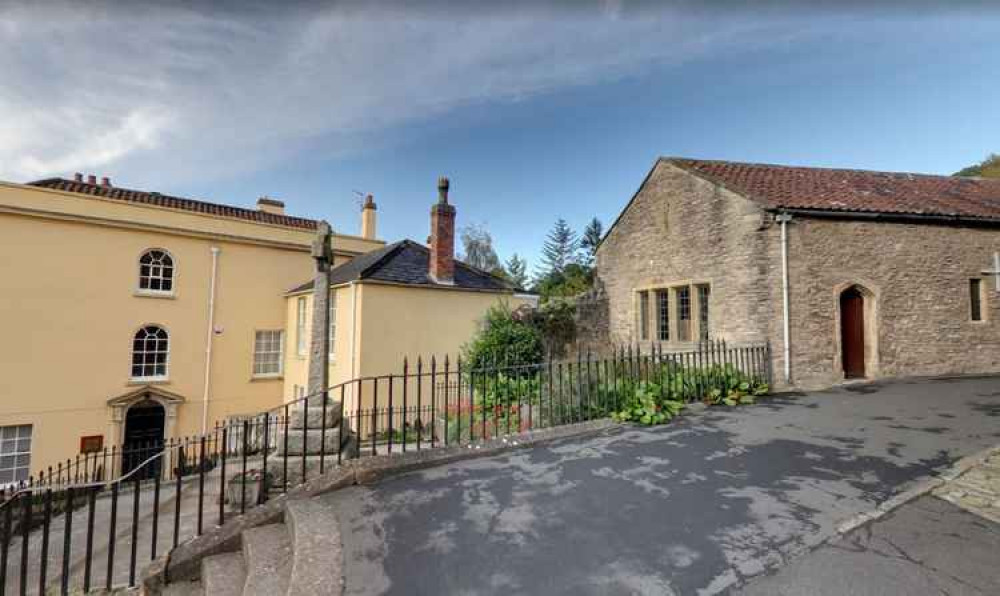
208, 340
784, 218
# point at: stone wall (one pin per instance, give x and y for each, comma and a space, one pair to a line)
593, 333
681, 229
916, 283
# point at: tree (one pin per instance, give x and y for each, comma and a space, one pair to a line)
988, 168
573, 280
560, 249
517, 271
477, 247
591, 238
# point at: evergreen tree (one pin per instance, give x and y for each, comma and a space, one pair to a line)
591, 238
477, 247
517, 271
561, 248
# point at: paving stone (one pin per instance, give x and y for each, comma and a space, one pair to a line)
977, 490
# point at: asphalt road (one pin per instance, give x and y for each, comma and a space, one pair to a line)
697, 506
927, 546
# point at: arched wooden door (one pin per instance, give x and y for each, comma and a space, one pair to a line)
852, 333
144, 429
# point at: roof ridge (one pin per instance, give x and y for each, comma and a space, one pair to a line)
458, 261
110, 192
389, 251
676, 159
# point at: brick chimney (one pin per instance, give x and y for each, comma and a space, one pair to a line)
269, 205
368, 218
106, 182
91, 179
78, 177
442, 265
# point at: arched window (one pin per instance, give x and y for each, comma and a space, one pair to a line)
150, 351
156, 271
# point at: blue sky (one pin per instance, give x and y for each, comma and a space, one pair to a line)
533, 116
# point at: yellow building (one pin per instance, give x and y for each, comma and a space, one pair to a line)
133, 316
401, 301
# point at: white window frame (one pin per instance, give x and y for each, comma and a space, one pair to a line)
166, 352
261, 336
172, 276
301, 345
12, 441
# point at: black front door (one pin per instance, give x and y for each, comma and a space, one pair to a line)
144, 427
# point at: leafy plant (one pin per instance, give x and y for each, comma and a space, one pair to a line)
647, 406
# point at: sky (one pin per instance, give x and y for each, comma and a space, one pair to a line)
535, 111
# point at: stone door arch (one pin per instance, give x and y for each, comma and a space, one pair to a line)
145, 396
857, 331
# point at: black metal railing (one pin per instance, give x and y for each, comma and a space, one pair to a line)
62, 530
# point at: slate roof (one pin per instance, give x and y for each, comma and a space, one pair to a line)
857, 191
407, 262
172, 202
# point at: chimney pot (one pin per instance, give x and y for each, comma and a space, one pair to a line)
442, 240
443, 185
78, 177
368, 218
106, 182
269, 205
91, 179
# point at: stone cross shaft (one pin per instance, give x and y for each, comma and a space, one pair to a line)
319, 347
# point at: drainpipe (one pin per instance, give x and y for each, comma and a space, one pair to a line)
354, 329
208, 339
783, 218
354, 339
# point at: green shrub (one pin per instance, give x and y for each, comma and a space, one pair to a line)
503, 339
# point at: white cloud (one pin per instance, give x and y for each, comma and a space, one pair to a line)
171, 92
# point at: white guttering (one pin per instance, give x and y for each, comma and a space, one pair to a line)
208, 339
783, 218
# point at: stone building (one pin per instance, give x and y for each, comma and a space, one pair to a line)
846, 273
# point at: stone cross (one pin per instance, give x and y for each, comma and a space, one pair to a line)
319, 348
995, 272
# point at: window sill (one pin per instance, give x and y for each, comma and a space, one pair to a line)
154, 294
274, 377
148, 381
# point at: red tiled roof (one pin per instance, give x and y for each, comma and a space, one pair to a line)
860, 191
159, 200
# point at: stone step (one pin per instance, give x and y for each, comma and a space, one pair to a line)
275, 463
184, 589
314, 416
316, 544
267, 554
223, 574
309, 442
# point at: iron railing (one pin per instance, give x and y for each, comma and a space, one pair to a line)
62, 530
